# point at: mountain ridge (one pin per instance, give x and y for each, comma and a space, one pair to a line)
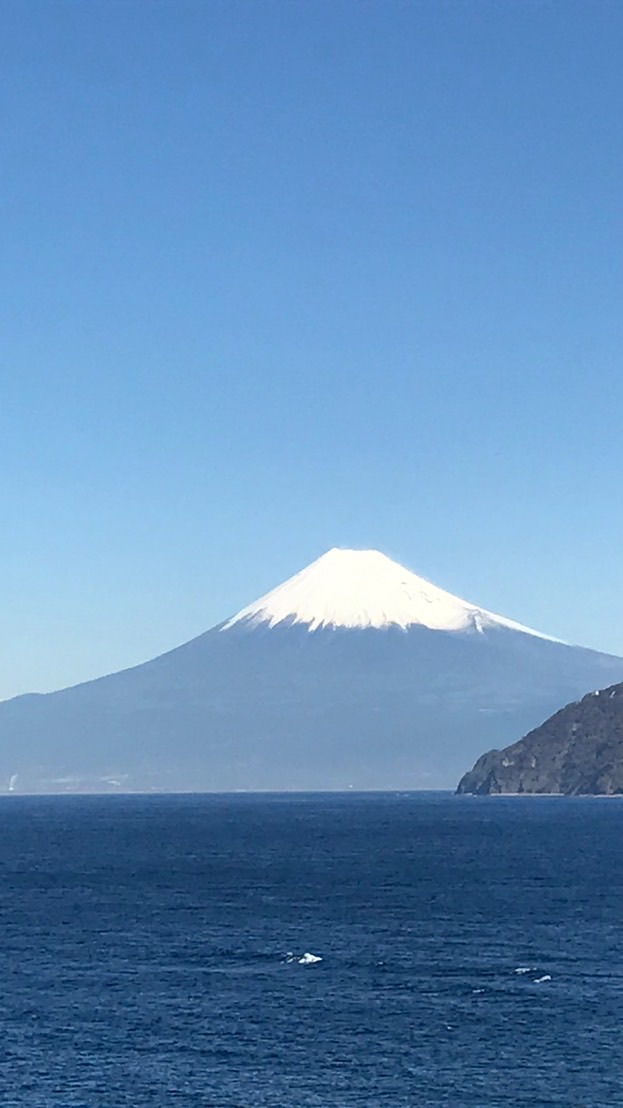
250, 705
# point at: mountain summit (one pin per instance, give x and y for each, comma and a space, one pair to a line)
363, 589
353, 673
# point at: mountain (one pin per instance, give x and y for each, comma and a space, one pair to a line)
577, 752
365, 589
355, 672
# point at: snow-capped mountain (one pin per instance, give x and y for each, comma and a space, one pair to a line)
353, 673
362, 589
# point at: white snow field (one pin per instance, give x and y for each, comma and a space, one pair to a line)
364, 588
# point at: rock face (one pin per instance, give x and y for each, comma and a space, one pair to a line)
354, 673
577, 752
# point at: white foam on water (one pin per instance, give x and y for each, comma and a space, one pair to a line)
540, 980
309, 959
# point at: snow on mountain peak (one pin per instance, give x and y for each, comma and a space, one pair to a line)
364, 588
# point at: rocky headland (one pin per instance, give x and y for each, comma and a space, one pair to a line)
576, 752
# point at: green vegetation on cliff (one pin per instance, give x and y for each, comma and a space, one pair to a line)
578, 751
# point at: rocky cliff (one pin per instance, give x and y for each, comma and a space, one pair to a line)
578, 751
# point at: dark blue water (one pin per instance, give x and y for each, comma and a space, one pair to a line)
150, 945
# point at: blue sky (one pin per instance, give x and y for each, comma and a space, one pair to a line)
283, 275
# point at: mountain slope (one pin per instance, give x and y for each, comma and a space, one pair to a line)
578, 751
353, 673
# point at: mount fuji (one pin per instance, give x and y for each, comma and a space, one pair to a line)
353, 673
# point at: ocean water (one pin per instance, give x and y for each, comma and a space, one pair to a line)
471, 951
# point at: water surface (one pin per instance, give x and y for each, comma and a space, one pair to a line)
150, 951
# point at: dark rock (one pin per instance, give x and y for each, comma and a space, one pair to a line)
576, 752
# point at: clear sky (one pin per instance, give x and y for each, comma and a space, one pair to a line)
282, 275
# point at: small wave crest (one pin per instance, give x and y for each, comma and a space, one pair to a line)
306, 959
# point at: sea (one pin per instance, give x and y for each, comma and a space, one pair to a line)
311, 951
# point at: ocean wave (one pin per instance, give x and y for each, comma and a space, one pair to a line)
306, 959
